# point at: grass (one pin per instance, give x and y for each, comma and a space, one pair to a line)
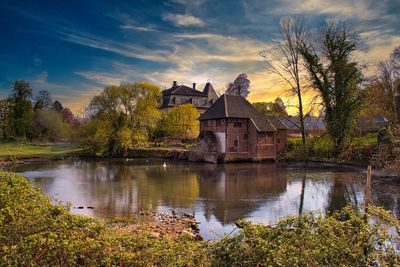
21, 150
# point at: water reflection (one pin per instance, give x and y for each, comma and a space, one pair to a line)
218, 195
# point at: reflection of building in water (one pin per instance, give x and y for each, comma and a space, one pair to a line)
232, 192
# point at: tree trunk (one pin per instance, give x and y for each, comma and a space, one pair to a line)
301, 115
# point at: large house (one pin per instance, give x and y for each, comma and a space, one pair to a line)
182, 94
232, 129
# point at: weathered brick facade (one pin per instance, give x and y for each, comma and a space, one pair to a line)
246, 135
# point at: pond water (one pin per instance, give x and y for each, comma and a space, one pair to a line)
217, 195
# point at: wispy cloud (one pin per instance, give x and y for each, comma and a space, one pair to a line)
183, 20
139, 28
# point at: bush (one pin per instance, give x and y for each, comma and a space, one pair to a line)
344, 238
35, 232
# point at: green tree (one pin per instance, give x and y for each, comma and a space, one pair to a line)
129, 112
48, 125
336, 77
20, 99
5, 118
181, 122
276, 108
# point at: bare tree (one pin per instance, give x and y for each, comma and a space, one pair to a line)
388, 78
284, 60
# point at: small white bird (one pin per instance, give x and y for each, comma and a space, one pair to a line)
164, 165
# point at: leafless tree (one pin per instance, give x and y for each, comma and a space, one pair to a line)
284, 60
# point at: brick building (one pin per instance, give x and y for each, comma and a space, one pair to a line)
233, 129
182, 94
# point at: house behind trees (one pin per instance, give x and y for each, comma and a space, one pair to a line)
232, 129
182, 94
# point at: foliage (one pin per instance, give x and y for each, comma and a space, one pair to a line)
344, 238
5, 118
276, 108
35, 232
21, 123
48, 125
385, 136
240, 86
121, 118
181, 122
337, 80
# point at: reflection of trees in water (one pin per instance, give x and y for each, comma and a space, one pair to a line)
386, 193
120, 187
236, 190
346, 189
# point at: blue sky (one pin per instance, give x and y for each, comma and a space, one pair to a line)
75, 48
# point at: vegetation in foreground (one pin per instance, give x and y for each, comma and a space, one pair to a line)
35, 232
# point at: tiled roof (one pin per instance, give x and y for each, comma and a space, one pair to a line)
183, 90
232, 106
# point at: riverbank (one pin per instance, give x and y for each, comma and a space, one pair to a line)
12, 150
35, 232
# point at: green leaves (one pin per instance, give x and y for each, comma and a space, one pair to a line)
35, 232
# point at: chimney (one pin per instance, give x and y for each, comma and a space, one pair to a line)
398, 107
174, 83
194, 86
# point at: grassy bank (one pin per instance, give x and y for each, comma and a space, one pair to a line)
21, 150
34, 232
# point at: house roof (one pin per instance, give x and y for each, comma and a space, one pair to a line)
233, 106
183, 90
209, 91
310, 123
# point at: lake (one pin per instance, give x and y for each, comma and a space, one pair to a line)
217, 195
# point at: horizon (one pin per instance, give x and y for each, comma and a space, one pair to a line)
74, 51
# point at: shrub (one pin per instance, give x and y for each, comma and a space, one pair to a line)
33, 232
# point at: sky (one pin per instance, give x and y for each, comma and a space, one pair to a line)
75, 48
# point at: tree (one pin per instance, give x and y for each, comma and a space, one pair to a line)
48, 125
388, 78
43, 100
20, 100
181, 122
129, 112
240, 86
276, 108
57, 106
285, 61
337, 80
5, 118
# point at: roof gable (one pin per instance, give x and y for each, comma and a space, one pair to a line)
232, 106
183, 90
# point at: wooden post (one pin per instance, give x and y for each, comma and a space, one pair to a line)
367, 196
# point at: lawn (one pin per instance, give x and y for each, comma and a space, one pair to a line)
20, 150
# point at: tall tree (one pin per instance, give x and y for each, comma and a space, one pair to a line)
240, 86
122, 117
284, 61
388, 78
337, 79
20, 99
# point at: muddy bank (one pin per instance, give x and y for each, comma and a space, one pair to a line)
159, 225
